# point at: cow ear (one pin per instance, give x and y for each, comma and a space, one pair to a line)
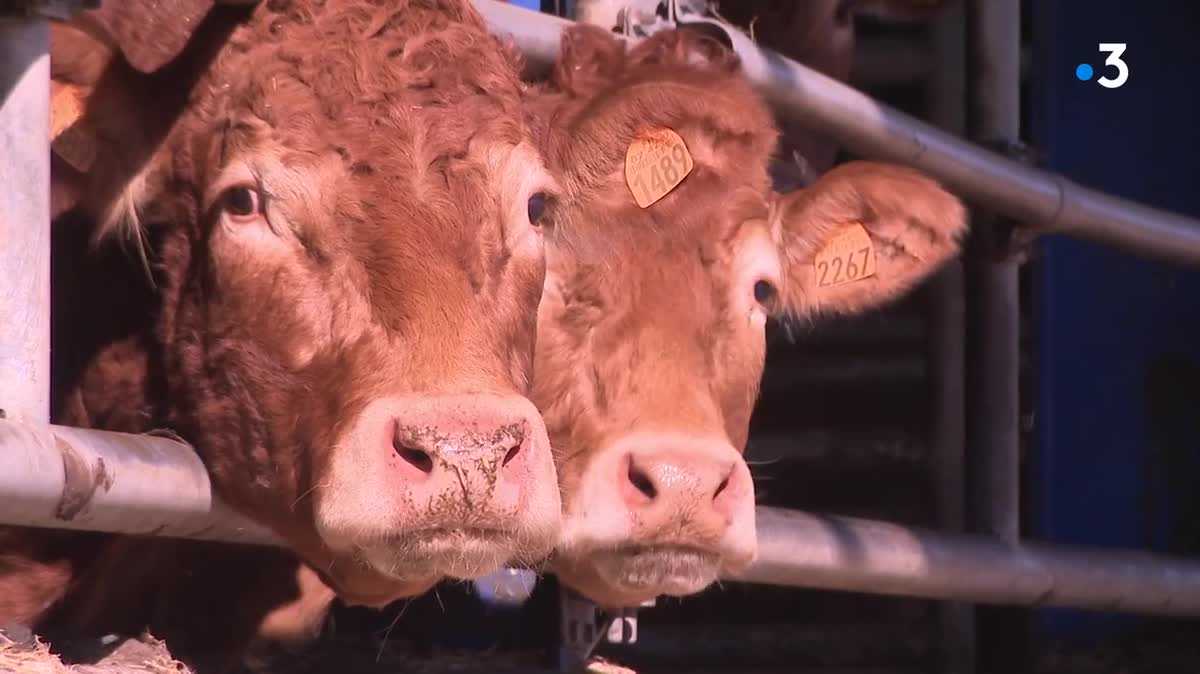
106, 121
148, 33
590, 58
77, 61
862, 235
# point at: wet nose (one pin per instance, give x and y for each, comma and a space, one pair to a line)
674, 483
469, 458
428, 450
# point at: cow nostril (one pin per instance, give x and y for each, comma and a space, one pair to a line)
641, 481
419, 459
511, 454
721, 487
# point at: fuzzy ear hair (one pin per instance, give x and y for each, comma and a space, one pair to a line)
862, 235
685, 47
590, 58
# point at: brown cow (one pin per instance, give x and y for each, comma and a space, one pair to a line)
651, 328
341, 198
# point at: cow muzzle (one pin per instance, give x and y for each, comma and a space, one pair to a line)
658, 513
442, 486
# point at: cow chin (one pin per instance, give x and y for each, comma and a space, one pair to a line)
632, 574
670, 570
462, 553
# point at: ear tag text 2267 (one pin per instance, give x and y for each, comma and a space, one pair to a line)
848, 257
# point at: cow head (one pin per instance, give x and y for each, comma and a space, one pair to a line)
342, 202
651, 336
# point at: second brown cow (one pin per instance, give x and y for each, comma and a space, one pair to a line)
651, 335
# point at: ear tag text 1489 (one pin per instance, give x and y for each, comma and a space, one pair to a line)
655, 163
848, 257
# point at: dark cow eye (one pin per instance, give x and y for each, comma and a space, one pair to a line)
537, 207
242, 203
764, 292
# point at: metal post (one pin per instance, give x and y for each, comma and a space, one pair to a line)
993, 334
25, 219
946, 100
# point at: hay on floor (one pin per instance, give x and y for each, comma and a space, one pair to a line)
134, 656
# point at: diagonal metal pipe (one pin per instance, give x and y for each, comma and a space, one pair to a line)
1046, 202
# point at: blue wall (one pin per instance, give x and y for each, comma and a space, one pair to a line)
1117, 337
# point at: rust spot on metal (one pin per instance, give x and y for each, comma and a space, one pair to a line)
80, 481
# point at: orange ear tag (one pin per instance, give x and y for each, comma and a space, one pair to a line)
849, 256
66, 107
70, 138
655, 163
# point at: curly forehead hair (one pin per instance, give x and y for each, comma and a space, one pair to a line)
420, 72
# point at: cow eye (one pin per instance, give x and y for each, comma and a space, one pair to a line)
764, 292
537, 207
242, 203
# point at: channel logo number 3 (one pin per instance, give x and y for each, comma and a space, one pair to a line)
1114, 51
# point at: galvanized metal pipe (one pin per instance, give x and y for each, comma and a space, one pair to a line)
946, 101
72, 478
842, 553
536, 33
1039, 199
993, 338
993, 320
25, 219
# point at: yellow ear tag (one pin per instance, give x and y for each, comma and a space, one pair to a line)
848, 257
655, 163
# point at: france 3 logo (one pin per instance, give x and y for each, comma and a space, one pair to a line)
1115, 50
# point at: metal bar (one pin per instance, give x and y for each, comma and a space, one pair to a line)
1040, 199
901, 61
54, 476
946, 100
89, 480
843, 553
25, 220
993, 319
537, 34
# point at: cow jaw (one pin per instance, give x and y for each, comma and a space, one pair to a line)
657, 513
441, 486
